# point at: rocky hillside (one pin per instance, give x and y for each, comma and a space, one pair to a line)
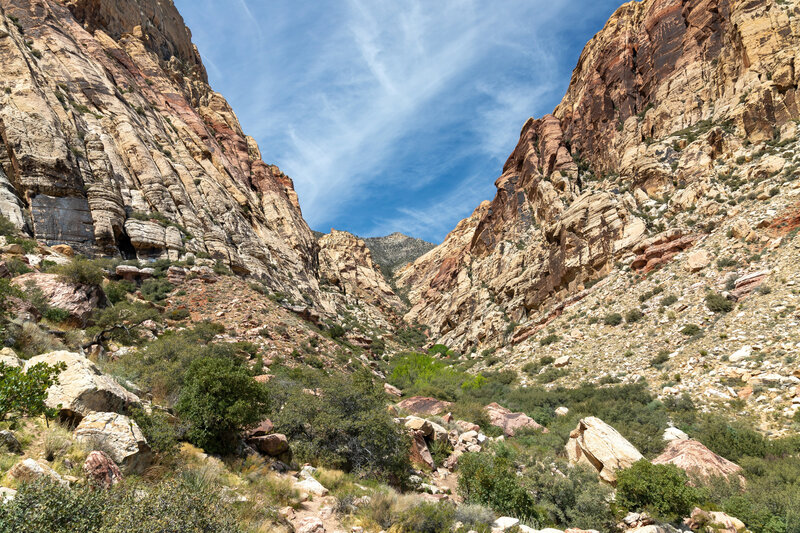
395, 250
676, 112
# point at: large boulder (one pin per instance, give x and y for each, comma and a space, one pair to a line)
119, 437
419, 452
714, 522
697, 460
79, 300
9, 358
430, 430
82, 388
510, 422
101, 469
421, 405
273, 444
9, 443
596, 444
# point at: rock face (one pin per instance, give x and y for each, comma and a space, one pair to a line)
112, 141
396, 250
82, 388
666, 90
697, 460
422, 405
596, 444
119, 437
79, 300
346, 263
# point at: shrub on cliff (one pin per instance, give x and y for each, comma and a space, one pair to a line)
81, 271
661, 490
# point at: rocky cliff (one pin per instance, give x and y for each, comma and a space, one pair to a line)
113, 142
666, 105
395, 250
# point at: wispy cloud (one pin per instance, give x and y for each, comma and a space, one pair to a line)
378, 109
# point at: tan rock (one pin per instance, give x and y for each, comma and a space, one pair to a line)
714, 522
82, 388
9, 357
392, 390
596, 444
119, 437
421, 405
64, 249
697, 260
273, 445
29, 470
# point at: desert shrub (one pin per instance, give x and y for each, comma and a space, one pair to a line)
717, 303
116, 290
220, 398
668, 300
412, 336
423, 374
551, 374
427, 518
48, 506
438, 349
81, 271
56, 314
492, 480
550, 339
612, 319
690, 330
475, 517
633, 315
178, 314
120, 322
662, 490
344, 424
29, 339
24, 393
574, 499
156, 290
660, 358
158, 428
731, 440
336, 331
7, 228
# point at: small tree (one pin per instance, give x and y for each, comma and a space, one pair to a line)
219, 399
24, 393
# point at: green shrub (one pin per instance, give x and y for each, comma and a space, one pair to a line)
438, 349
56, 315
156, 290
24, 393
427, 518
120, 322
612, 319
690, 330
491, 480
662, 490
668, 300
550, 339
48, 506
633, 315
158, 429
475, 517
116, 290
343, 425
81, 271
219, 399
718, 303
178, 314
661, 358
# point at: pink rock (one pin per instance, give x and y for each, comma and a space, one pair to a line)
102, 470
510, 422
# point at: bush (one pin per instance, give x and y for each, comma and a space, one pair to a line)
633, 315
662, 490
56, 315
718, 303
24, 393
668, 300
48, 506
612, 319
158, 429
178, 314
80, 271
438, 349
475, 517
550, 339
661, 358
690, 330
219, 399
427, 518
156, 290
491, 480
116, 290
343, 425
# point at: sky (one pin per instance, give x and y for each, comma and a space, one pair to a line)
391, 115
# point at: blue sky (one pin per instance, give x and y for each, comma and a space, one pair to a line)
391, 115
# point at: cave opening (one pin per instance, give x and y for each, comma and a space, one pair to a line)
125, 246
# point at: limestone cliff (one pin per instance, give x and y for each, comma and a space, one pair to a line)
113, 142
666, 102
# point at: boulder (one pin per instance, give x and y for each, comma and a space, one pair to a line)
421, 405
29, 470
510, 422
79, 300
64, 249
419, 452
505, 522
391, 390
311, 486
562, 411
6, 495
673, 433
82, 388
309, 524
263, 428
118, 436
697, 260
713, 522
562, 361
273, 445
9, 357
463, 426
9, 443
101, 470
600, 446
697, 460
